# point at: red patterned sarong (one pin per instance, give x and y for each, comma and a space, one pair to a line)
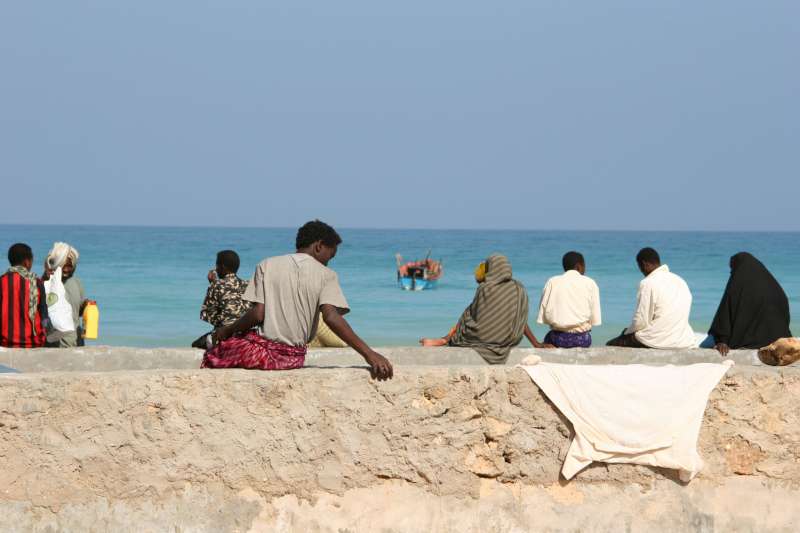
251, 350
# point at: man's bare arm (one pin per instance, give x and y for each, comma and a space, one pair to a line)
380, 366
533, 340
252, 318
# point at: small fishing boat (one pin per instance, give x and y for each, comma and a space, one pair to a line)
418, 275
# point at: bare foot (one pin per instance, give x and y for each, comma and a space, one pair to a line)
432, 342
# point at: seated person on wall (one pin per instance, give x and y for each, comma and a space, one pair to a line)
288, 294
754, 311
570, 305
23, 303
496, 319
662, 312
223, 304
325, 337
64, 256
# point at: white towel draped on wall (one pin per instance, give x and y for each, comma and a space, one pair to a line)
640, 414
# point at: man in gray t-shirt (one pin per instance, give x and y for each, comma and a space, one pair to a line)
289, 293
302, 281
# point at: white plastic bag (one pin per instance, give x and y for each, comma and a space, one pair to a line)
58, 307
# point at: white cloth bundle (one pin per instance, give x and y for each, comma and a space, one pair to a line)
639, 414
58, 307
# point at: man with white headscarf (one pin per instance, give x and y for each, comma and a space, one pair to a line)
64, 256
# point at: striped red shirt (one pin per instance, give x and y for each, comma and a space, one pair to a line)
16, 328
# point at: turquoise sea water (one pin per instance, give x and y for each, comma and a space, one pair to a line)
149, 282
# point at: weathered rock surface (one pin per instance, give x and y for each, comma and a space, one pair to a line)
781, 352
466, 448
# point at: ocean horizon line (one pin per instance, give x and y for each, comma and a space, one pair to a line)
365, 228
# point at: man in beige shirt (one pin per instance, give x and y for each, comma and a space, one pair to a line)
570, 305
289, 294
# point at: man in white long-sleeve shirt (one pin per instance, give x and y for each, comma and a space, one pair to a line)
662, 312
570, 305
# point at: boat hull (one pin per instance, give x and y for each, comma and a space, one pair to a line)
408, 283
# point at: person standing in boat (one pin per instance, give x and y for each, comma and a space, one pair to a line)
418, 275
497, 318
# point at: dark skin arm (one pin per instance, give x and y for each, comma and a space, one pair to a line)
84, 304
252, 318
380, 367
722, 348
533, 340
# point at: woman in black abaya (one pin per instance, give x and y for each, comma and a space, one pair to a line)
754, 311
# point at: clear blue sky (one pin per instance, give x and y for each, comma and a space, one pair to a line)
448, 114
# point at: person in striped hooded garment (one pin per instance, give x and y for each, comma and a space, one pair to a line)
497, 318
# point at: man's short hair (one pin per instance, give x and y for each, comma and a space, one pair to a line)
571, 260
648, 255
18, 253
314, 231
229, 259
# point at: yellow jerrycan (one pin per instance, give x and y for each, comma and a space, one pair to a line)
91, 320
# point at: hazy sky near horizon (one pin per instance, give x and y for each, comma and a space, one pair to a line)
448, 114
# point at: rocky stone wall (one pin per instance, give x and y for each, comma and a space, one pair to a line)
462, 448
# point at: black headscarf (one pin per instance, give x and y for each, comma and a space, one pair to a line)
754, 311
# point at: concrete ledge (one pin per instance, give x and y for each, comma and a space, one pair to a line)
466, 448
109, 359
